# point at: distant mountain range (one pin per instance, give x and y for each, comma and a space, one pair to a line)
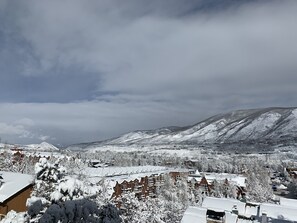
268, 126
44, 146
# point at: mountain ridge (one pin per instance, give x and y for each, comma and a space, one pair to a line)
270, 125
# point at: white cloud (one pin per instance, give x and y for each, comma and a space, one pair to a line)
6, 129
25, 122
20, 131
44, 138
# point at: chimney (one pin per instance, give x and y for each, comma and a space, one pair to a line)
264, 217
234, 210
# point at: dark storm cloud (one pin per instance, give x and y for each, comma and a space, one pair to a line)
74, 71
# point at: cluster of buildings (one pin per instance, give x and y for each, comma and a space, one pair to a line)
17, 155
144, 181
144, 187
225, 210
206, 182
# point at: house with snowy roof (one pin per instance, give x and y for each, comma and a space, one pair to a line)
15, 189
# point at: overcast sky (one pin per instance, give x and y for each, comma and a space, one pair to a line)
76, 71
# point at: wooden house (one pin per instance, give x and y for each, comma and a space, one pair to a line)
15, 189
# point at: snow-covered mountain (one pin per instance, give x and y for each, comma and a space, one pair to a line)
44, 146
269, 125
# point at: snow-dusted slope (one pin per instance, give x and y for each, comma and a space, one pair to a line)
44, 146
245, 126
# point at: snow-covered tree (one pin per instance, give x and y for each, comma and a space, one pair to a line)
83, 211
14, 217
258, 186
167, 206
5, 161
47, 177
58, 197
292, 188
175, 198
149, 210
224, 189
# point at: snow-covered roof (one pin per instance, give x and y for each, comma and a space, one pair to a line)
223, 204
279, 212
288, 202
13, 183
282, 187
194, 215
197, 173
125, 171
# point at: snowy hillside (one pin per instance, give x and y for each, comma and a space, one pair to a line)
44, 146
270, 125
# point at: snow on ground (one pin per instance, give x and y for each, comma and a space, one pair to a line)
260, 125
43, 154
209, 132
130, 148
153, 149
175, 152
